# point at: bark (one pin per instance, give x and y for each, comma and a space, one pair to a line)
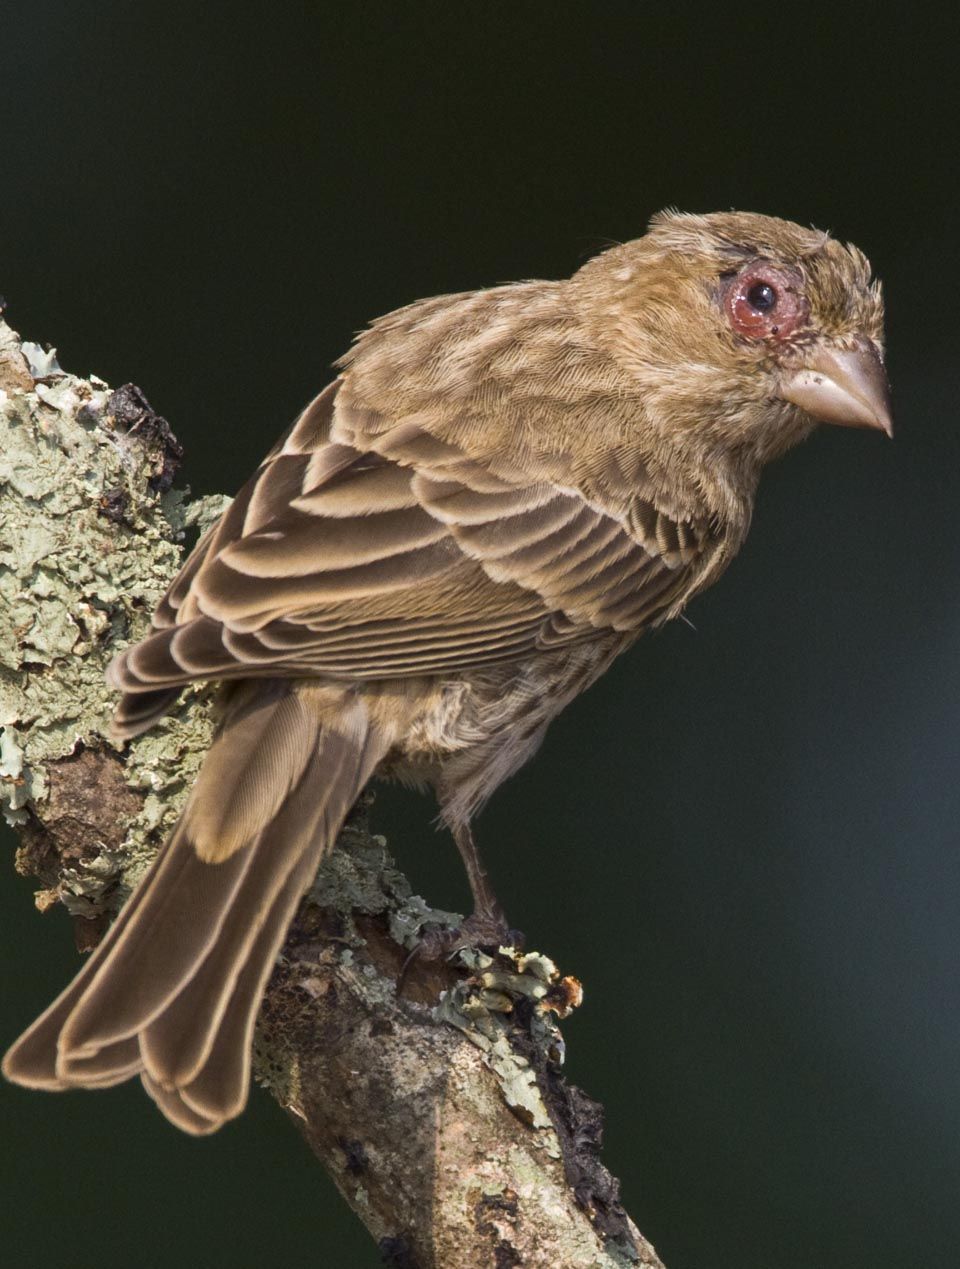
432, 1093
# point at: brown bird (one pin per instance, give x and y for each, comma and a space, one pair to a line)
501, 490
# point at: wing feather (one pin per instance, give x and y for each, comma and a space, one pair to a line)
365, 549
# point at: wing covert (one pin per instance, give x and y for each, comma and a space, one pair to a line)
381, 550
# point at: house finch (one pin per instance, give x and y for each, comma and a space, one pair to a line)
498, 493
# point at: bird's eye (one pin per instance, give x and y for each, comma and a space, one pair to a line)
762, 296
764, 301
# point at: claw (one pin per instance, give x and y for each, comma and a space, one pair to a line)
478, 930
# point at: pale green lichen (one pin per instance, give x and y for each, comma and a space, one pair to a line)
480, 1007
361, 876
87, 547
11, 775
41, 362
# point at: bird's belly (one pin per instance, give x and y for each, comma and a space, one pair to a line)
474, 729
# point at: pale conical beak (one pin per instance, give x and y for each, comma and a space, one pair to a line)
845, 386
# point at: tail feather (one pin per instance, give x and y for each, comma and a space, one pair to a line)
177, 1111
174, 1047
138, 711
218, 1091
32, 1060
173, 929
173, 991
111, 1065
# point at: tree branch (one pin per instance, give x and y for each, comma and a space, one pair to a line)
437, 1105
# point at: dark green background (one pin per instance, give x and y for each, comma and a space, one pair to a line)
744, 839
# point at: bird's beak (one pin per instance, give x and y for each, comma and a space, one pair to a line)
840, 385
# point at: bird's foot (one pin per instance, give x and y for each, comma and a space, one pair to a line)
486, 930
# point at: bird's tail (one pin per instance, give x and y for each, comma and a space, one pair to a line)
172, 992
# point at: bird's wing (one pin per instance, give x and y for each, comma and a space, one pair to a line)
401, 557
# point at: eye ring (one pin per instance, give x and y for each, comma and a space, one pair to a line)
765, 301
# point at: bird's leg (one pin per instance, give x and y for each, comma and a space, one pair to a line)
486, 906
487, 924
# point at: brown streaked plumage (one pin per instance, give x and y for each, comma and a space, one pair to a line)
501, 490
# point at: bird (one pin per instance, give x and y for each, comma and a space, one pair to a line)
499, 491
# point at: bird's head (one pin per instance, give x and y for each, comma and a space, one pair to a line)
741, 331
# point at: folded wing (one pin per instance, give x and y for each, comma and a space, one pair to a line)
369, 552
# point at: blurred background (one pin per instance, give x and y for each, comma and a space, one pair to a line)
744, 839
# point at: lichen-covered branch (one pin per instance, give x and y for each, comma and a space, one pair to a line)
430, 1090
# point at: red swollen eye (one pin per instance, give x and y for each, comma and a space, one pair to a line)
762, 302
